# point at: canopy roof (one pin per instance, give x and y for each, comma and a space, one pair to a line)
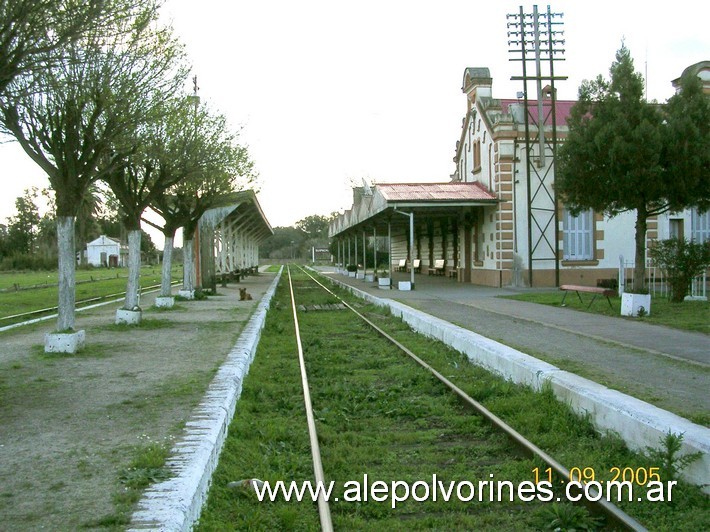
375, 205
242, 208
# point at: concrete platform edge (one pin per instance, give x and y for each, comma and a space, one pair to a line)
638, 423
175, 504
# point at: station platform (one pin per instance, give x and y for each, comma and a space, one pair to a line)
666, 367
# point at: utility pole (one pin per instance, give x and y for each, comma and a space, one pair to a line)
536, 37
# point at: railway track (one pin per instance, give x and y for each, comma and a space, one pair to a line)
382, 416
25, 318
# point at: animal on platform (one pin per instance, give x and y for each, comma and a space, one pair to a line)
244, 295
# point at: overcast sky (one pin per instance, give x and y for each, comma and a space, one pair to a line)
330, 92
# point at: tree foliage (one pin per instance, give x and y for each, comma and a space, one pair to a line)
23, 228
623, 153
680, 260
214, 165
285, 243
71, 116
315, 226
32, 32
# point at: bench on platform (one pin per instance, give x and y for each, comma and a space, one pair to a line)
417, 266
402, 266
439, 267
596, 290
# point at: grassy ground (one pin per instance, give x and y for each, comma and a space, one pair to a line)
106, 282
9, 280
379, 414
689, 315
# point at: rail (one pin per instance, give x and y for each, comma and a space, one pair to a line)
617, 515
148, 289
323, 508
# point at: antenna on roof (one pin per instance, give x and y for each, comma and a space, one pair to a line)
367, 191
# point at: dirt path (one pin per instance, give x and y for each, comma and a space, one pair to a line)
71, 425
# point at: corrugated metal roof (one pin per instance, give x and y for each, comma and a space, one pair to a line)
562, 109
434, 192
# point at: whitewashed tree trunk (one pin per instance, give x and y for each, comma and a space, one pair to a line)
188, 265
67, 273
134, 269
166, 278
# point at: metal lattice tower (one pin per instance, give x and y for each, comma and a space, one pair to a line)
535, 37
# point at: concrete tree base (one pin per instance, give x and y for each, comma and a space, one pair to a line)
384, 283
632, 303
128, 317
359, 275
405, 285
164, 301
187, 294
351, 274
64, 342
370, 277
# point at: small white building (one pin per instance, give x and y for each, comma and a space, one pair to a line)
106, 251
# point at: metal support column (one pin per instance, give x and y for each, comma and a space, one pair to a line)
374, 248
364, 254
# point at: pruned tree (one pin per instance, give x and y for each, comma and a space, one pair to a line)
220, 166
623, 153
70, 116
160, 159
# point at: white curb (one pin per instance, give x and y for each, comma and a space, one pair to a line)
638, 423
175, 504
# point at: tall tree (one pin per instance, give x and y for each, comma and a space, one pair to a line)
623, 153
315, 226
70, 116
22, 228
218, 166
160, 158
686, 146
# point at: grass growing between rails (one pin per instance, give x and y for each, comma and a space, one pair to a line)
689, 315
380, 414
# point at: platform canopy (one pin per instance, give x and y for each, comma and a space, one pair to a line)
374, 205
230, 234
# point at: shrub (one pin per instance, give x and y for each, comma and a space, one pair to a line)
680, 260
26, 262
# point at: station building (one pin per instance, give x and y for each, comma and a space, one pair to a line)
496, 220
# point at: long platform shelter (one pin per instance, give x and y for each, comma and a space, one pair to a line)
429, 226
229, 237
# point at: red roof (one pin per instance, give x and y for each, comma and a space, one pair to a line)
562, 109
434, 192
